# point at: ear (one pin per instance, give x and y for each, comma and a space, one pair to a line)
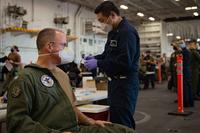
113, 14
49, 47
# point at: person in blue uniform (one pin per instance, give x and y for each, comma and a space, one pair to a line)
120, 61
188, 100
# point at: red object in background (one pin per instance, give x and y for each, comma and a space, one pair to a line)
159, 73
98, 116
179, 69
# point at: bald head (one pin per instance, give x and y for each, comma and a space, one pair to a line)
46, 35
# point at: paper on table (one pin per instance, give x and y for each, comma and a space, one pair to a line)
9, 66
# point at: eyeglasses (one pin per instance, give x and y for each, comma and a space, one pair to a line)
63, 45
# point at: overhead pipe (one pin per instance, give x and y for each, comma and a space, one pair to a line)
77, 14
32, 10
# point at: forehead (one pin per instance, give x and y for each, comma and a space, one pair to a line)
60, 36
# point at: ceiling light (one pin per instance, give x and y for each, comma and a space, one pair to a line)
177, 0
188, 8
191, 8
196, 14
178, 37
124, 7
194, 7
169, 34
188, 39
198, 39
140, 14
151, 18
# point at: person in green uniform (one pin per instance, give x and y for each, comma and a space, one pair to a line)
194, 65
172, 67
40, 100
15, 65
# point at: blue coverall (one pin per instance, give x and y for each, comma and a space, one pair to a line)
120, 61
187, 89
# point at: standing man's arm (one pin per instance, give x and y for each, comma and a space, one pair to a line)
122, 63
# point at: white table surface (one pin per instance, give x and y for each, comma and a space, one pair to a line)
90, 96
3, 112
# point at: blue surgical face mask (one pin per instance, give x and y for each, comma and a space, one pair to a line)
66, 55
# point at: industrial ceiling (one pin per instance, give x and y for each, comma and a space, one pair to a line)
166, 10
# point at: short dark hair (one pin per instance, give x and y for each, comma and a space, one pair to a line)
148, 51
193, 41
45, 35
16, 48
106, 7
13, 48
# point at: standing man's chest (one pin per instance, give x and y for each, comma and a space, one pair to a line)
113, 44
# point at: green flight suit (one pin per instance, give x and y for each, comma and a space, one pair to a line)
10, 76
194, 64
172, 67
38, 104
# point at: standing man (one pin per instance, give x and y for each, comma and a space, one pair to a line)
150, 70
187, 88
120, 61
194, 65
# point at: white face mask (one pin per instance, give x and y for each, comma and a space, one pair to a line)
106, 27
66, 55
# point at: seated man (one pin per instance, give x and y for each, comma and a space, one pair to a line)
40, 100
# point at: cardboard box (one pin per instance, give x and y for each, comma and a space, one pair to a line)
89, 83
102, 84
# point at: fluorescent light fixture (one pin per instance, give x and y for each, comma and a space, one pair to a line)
188, 8
191, 8
198, 39
140, 14
194, 7
188, 39
177, 0
152, 18
178, 37
196, 14
169, 34
124, 7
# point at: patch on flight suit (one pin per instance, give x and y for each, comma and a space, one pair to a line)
47, 81
16, 91
113, 43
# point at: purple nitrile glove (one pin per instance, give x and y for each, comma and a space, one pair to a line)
89, 57
91, 64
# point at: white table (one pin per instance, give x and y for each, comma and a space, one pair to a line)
3, 111
90, 96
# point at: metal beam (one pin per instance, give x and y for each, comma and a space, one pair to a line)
197, 2
175, 3
135, 5
154, 4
